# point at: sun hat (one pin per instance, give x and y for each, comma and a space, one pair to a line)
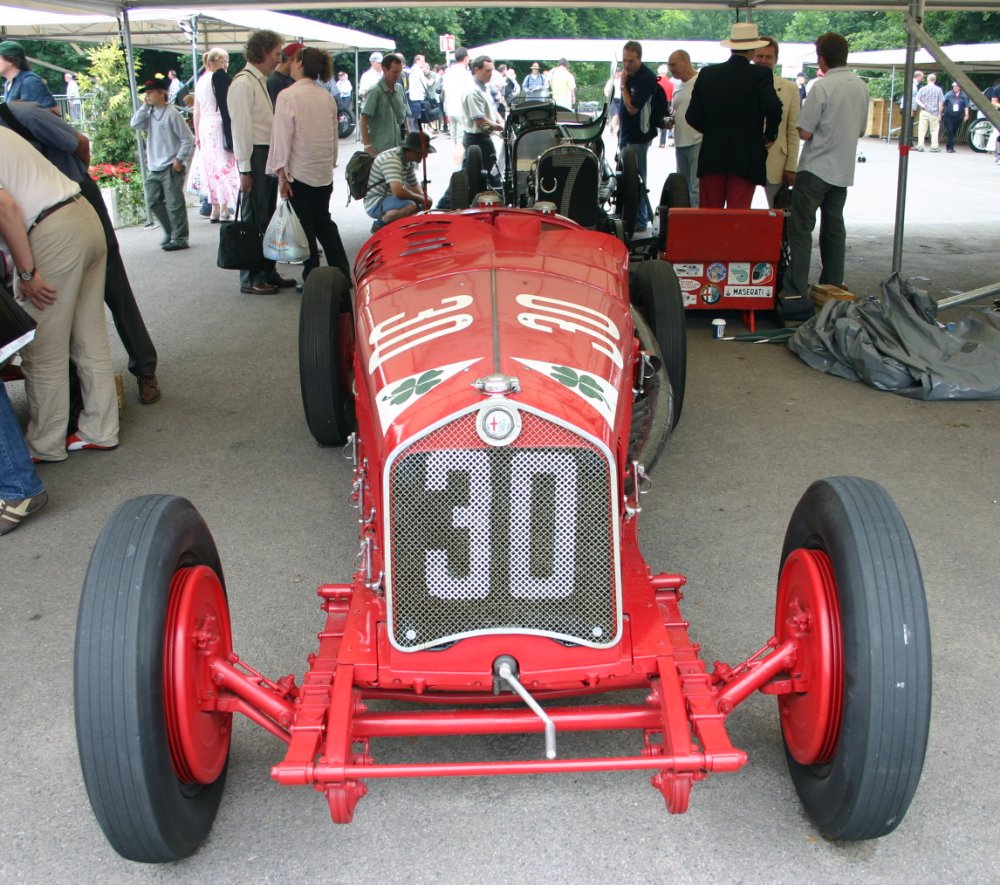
419, 143
744, 36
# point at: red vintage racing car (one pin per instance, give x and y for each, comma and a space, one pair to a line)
497, 380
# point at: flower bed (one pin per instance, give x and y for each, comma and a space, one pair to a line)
121, 187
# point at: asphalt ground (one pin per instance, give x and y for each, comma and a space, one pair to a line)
758, 427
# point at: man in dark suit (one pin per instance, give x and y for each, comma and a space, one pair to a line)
736, 109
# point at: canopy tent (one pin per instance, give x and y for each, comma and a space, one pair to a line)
111, 7
161, 28
970, 57
654, 52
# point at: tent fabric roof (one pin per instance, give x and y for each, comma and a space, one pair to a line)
159, 28
111, 7
654, 52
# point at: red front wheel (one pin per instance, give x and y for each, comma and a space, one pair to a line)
850, 594
153, 610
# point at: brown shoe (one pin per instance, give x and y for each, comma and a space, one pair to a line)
284, 282
13, 513
149, 389
260, 289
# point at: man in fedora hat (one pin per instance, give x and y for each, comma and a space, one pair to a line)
169, 145
736, 109
393, 189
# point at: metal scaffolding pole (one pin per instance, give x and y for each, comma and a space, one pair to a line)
126, 32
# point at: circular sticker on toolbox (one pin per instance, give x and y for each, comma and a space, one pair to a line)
762, 273
688, 285
711, 294
716, 272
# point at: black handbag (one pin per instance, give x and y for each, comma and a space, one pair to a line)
17, 327
241, 242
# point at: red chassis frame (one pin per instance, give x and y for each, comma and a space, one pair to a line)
327, 725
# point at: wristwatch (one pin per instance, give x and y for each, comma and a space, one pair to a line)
26, 275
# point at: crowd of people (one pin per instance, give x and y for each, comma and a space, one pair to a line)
272, 130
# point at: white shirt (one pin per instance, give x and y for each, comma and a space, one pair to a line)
685, 134
456, 81
251, 112
304, 136
33, 182
369, 79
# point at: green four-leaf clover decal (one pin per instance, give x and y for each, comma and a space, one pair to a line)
411, 386
587, 385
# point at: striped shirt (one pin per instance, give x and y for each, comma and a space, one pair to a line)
389, 166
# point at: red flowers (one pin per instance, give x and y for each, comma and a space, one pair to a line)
111, 173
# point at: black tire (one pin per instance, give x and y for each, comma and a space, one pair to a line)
627, 192
345, 123
325, 355
474, 169
147, 813
652, 410
865, 786
978, 135
674, 195
458, 190
655, 290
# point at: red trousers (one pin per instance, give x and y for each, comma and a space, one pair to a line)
720, 191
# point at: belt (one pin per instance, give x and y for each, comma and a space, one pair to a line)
45, 213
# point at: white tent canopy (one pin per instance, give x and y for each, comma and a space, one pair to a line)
160, 28
969, 57
654, 52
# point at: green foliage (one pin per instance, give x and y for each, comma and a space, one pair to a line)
61, 54
109, 105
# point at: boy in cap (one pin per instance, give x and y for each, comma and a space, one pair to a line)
393, 189
169, 145
281, 77
23, 84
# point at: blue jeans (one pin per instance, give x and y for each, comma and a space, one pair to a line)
18, 478
687, 165
809, 194
642, 212
387, 204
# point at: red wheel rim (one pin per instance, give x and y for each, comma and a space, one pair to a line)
197, 630
808, 613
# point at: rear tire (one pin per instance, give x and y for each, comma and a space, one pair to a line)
627, 193
654, 288
675, 195
147, 811
345, 123
458, 190
474, 170
858, 768
326, 351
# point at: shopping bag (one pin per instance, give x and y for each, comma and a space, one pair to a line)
241, 243
284, 239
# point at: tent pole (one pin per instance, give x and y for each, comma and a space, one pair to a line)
194, 51
357, 98
905, 137
126, 30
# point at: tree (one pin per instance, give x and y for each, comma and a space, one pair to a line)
109, 105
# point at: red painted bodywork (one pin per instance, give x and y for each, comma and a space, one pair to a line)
476, 290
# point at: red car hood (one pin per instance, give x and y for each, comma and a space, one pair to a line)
443, 301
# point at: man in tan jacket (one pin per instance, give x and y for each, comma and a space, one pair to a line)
783, 155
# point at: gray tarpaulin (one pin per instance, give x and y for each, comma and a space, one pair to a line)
894, 342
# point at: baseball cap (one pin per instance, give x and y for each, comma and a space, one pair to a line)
290, 50
375, 57
151, 85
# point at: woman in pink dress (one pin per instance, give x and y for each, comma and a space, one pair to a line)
213, 136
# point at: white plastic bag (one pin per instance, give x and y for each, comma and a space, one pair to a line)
284, 239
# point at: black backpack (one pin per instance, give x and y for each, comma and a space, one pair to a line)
359, 168
659, 108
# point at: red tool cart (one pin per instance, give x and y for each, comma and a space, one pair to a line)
726, 259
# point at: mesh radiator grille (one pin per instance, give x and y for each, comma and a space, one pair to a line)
501, 539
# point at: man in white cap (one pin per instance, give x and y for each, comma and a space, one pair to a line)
736, 109
370, 77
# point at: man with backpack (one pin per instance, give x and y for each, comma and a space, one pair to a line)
393, 190
735, 108
637, 115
